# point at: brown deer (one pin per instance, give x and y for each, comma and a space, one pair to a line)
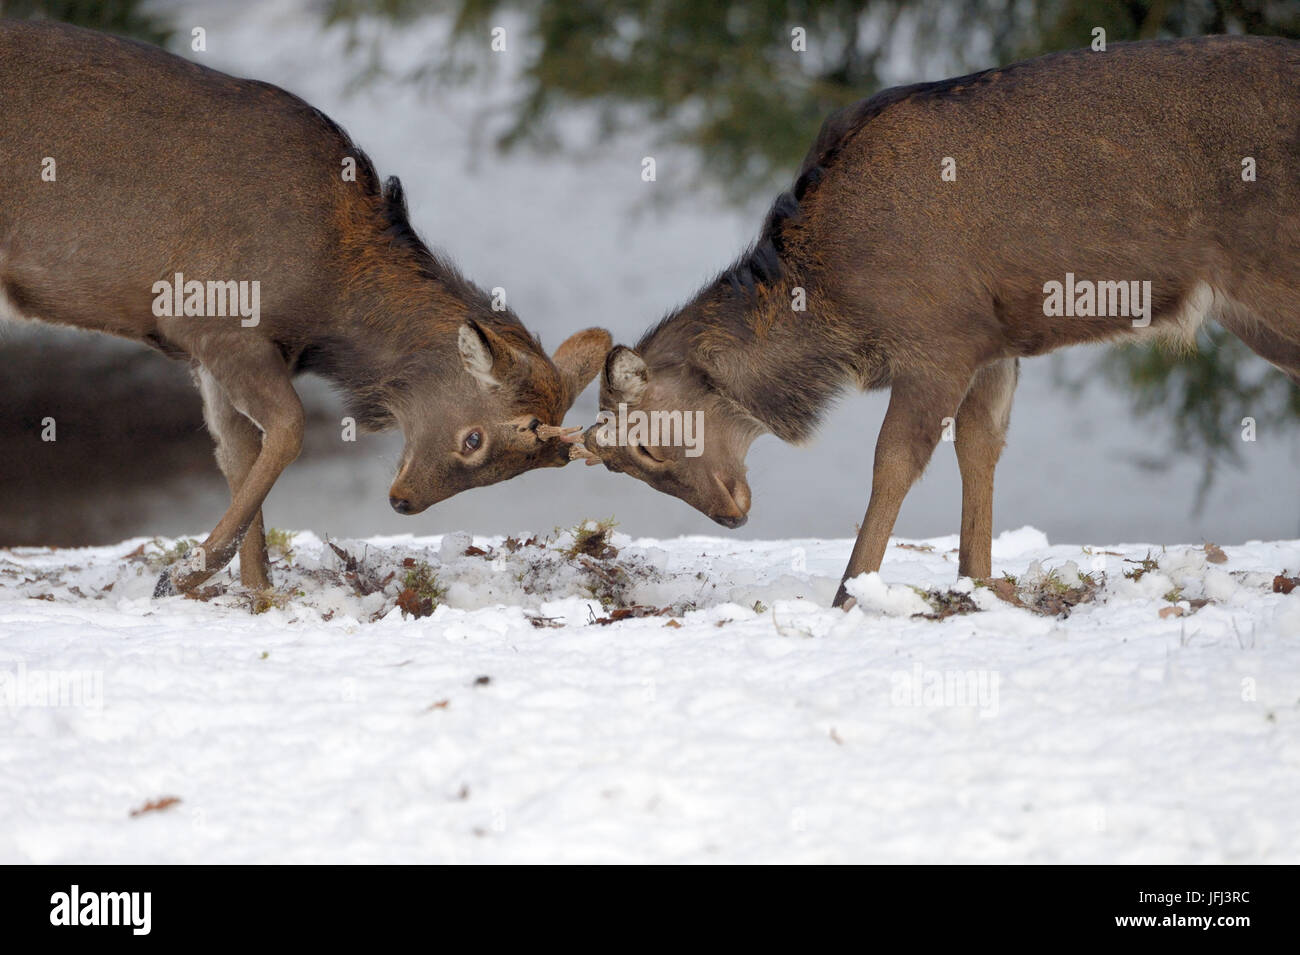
228, 223
938, 233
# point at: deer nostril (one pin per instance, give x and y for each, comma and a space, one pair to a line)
400, 504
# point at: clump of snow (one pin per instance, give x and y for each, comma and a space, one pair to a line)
1015, 543
1066, 575
894, 600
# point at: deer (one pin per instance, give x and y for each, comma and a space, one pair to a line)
938, 233
227, 223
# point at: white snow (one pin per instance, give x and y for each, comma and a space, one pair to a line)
765, 726
762, 727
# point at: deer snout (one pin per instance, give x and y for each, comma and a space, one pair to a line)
734, 511
403, 500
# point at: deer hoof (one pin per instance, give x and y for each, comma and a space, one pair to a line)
843, 600
165, 587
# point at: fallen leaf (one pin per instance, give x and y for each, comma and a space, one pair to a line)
554, 623
413, 604
1005, 590
157, 805
625, 613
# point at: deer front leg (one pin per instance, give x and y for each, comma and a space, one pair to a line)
911, 429
256, 381
982, 423
238, 442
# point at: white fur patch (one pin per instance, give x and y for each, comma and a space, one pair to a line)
475, 356
1191, 315
628, 375
1000, 401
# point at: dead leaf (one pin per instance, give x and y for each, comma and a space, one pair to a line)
1174, 611
1214, 554
1284, 585
157, 805
554, 623
413, 604
626, 613
1005, 590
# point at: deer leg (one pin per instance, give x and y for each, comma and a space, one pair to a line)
256, 381
982, 423
238, 442
910, 431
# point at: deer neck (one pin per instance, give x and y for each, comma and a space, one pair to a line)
773, 362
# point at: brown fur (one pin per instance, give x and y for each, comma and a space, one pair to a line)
1122, 165
164, 166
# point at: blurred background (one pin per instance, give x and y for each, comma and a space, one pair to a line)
524, 164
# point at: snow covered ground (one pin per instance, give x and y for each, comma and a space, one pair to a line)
743, 720
1109, 706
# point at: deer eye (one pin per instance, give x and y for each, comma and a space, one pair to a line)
644, 453
473, 441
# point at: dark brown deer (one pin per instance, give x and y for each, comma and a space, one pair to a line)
228, 223
938, 233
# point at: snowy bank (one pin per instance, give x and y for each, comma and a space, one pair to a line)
594, 697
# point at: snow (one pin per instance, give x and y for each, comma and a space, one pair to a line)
1156, 722
749, 723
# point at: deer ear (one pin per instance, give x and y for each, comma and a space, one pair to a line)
626, 374
476, 353
579, 359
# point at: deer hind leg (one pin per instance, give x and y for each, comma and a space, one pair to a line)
982, 423
256, 381
238, 443
911, 429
